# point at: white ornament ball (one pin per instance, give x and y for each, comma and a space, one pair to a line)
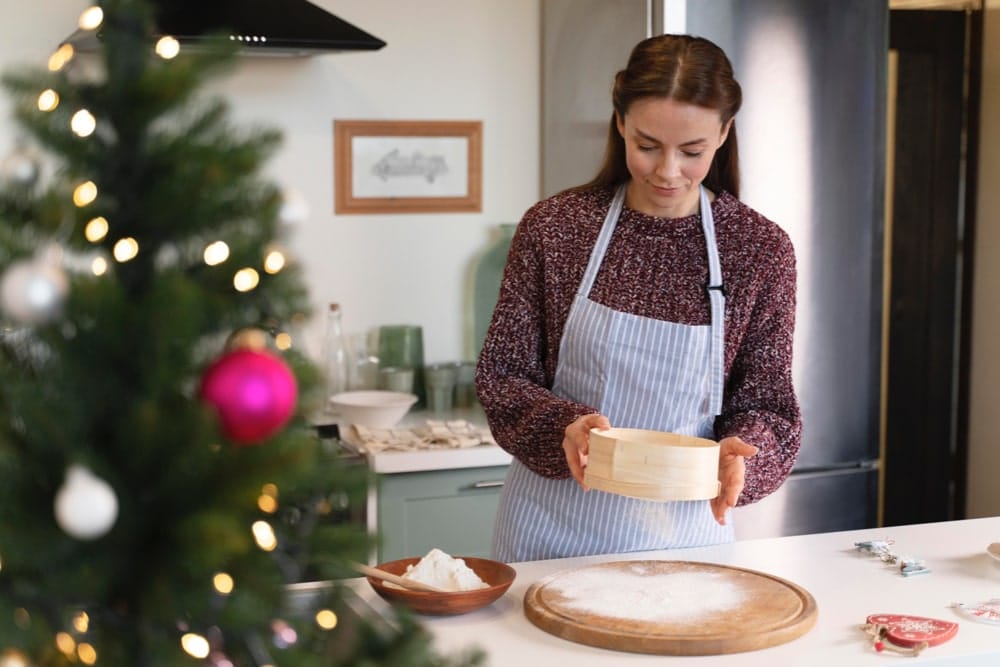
294, 208
32, 291
20, 168
86, 506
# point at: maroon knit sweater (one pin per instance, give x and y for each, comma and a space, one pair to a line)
654, 267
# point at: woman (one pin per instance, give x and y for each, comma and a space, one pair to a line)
651, 298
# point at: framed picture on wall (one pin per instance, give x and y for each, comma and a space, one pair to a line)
407, 166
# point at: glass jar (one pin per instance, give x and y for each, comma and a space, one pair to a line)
364, 364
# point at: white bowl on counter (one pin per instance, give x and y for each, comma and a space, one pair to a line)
373, 408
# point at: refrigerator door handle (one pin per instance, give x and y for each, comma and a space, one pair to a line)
850, 466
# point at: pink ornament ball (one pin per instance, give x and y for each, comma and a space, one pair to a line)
253, 392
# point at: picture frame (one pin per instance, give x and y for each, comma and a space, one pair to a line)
407, 166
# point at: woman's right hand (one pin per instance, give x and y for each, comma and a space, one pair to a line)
576, 443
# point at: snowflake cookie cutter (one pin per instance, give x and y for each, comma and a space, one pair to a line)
882, 549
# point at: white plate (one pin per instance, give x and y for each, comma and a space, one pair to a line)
994, 550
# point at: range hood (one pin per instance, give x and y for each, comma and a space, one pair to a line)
262, 27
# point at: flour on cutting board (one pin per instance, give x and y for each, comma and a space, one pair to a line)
641, 594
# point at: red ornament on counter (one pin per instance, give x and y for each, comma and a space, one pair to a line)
912, 634
253, 391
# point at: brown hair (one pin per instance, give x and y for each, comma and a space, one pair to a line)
686, 69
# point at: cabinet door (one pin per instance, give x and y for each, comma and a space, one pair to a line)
452, 510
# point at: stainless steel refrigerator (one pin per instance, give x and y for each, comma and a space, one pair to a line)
812, 147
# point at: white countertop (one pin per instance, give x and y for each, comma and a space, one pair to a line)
847, 585
479, 456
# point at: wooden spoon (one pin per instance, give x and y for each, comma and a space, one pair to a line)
396, 579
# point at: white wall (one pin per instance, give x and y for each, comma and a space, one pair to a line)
983, 498
445, 59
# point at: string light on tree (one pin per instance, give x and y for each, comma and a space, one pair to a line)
223, 583
81, 622
83, 123
263, 535
85, 193
13, 658
99, 266
91, 18
326, 619
96, 229
216, 253
283, 340
86, 506
86, 653
125, 249
274, 262
66, 644
82, 652
48, 100
267, 501
195, 645
246, 279
61, 57
167, 47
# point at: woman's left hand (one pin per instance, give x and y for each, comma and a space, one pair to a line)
732, 474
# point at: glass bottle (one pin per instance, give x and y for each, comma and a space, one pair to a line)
335, 353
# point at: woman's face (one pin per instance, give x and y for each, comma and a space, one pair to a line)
669, 148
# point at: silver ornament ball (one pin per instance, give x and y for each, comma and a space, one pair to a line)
32, 291
20, 168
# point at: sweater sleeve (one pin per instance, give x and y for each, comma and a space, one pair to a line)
513, 375
760, 404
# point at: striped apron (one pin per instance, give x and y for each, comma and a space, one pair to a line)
640, 373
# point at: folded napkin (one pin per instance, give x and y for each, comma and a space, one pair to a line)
434, 434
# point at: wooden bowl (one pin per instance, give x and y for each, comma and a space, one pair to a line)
652, 465
498, 575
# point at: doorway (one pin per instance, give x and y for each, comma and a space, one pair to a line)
930, 236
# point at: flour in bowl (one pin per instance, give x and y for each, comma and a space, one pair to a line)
639, 594
445, 572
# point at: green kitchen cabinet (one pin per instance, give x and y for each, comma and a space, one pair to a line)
452, 510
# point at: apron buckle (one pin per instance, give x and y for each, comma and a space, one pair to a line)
708, 289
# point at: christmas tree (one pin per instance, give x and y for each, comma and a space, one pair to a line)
161, 491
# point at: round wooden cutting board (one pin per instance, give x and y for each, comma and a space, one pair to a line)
670, 607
